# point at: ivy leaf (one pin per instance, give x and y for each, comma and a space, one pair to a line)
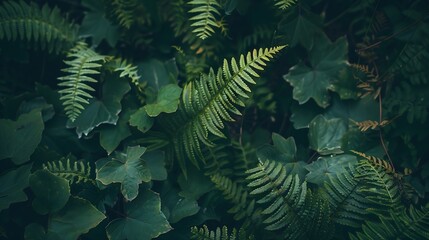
19, 139
12, 186
156, 164
141, 120
144, 219
76, 218
320, 170
156, 74
286, 146
167, 100
52, 192
195, 185
111, 136
303, 114
102, 111
325, 135
128, 169
313, 81
96, 25
300, 31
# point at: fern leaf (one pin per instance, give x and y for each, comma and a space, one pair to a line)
243, 206
205, 20
348, 204
75, 172
289, 205
219, 234
370, 124
75, 93
124, 11
284, 4
207, 103
42, 25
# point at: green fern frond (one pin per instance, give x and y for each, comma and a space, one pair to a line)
289, 205
219, 234
348, 204
205, 20
124, 11
42, 25
75, 172
75, 93
243, 206
129, 71
207, 103
284, 4
411, 224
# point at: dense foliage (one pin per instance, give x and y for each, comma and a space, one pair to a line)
214, 119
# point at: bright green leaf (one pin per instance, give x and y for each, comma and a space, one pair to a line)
320, 170
76, 218
325, 135
102, 111
96, 25
128, 169
314, 80
111, 136
52, 192
19, 139
141, 120
144, 219
12, 186
167, 100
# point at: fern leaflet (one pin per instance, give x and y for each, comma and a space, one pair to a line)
76, 173
220, 234
83, 63
205, 20
284, 4
42, 25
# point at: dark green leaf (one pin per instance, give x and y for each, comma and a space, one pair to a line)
35, 231
156, 164
314, 80
195, 185
144, 219
300, 31
76, 218
167, 100
325, 135
286, 146
128, 169
320, 170
19, 139
156, 74
96, 25
111, 136
141, 120
102, 111
303, 114
12, 186
52, 192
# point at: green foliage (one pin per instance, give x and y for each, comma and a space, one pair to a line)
43, 26
179, 119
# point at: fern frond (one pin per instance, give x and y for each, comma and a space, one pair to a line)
219, 234
411, 224
378, 162
124, 11
207, 103
288, 204
42, 25
348, 204
75, 172
205, 20
284, 4
370, 124
129, 71
243, 206
75, 93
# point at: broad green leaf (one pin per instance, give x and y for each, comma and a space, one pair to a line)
320, 170
303, 114
300, 31
39, 103
326, 59
156, 164
141, 120
102, 111
286, 146
19, 139
156, 74
127, 168
112, 135
195, 185
76, 218
12, 185
35, 231
96, 25
52, 192
167, 100
325, 135
144, 219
